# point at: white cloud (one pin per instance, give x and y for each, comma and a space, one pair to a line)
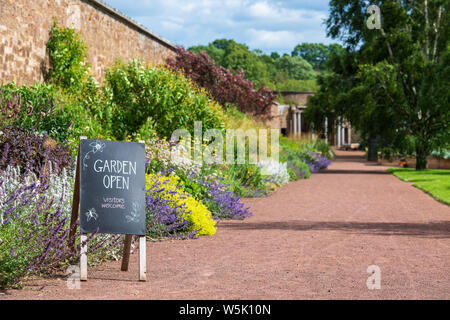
261, 10
265, 39
263, 24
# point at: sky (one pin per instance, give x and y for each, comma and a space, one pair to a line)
269, 25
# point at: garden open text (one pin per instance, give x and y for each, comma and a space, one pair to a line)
118, 168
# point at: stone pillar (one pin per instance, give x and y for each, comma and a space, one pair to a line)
294, 123
300, 124
339, 131
326, 129
343, 135
349, 134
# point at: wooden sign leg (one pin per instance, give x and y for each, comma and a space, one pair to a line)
142, 259
75, 202
126, 252
83, 258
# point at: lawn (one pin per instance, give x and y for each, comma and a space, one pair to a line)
434, 182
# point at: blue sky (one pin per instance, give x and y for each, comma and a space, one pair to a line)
268, 25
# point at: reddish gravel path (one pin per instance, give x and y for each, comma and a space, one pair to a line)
311, 239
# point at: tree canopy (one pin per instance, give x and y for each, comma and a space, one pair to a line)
391, 82
317, 54
273, 70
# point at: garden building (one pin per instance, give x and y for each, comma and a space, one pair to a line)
289, 119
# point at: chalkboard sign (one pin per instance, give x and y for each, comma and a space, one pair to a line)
112, 187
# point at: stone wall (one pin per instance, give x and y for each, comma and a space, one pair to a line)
274, 119
299, 98
25, 26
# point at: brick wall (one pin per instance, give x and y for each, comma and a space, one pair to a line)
25, 27
300, 98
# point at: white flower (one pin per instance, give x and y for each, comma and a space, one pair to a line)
276, 171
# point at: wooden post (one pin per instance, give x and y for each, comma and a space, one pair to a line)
83, 258
142, 259
75, 202
126, 252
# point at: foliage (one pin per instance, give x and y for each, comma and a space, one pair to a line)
246, 180
300, 169
441, 153
35, 107
315, 161
276, 172
168, 204
434, 182
295, 85
273, 71
323, 148
33, 151
393, 82
224, 85
205, 183
304, 157
34, 226
317, 54
238, 57
156, 98
67, 53
222, 202
292, 174
295, 68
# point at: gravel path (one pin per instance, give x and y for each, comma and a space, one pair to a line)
311, 239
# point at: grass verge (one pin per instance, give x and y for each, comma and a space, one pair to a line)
434, 182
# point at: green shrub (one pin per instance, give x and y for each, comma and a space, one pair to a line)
156, 98
246, 180
292, 174
67, 53
300, 168
37, 107
324, 148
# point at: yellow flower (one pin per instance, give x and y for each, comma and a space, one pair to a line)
200, 216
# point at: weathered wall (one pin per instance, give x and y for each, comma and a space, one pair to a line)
300, 98
274, 120
25, 27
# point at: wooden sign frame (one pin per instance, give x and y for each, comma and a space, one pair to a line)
83, 236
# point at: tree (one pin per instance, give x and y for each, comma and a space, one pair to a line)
273, 71
226, 86
317, 54
295, 67
239, 57
213, 52
393, 81
274, 55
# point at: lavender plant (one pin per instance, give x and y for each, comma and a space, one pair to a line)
222, 202
317, 162
34, 224
165, 218
205, 183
